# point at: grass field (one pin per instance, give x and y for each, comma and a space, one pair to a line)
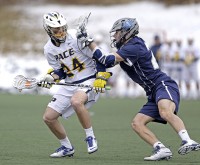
25, 139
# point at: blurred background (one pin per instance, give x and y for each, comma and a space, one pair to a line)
171, 28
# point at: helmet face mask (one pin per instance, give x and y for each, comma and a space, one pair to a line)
122, 30
56, 26
58, 33
116, 38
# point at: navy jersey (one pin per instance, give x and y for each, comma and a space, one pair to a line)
140, 65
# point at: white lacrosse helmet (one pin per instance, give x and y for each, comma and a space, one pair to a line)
55, 25
128, 28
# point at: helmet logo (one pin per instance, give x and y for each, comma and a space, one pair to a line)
128, 28
126, 25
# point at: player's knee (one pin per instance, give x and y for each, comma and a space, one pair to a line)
47, 119
136, 125
165, 113
76, 103
166, 109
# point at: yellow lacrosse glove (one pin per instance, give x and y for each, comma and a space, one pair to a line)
101, 81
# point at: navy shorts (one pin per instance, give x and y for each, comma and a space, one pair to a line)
165, 90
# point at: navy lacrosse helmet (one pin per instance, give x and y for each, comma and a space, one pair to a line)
128, 28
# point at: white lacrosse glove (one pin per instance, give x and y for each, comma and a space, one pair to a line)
83, 37
45, 81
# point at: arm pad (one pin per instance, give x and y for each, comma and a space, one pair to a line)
100, 67
108, 61
61, 73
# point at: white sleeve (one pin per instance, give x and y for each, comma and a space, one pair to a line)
87, 52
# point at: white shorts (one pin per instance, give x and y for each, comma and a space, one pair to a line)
61, 101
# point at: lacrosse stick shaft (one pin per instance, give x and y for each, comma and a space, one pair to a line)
20, 82
76, 85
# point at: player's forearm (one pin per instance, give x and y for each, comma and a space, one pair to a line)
92, 46
109, 60
58, 74
106, 60
55, 76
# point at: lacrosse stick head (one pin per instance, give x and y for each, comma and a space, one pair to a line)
81, 22
20, 82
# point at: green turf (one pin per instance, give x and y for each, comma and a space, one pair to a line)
25, 139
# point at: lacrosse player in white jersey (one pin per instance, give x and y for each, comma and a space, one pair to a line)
75, 66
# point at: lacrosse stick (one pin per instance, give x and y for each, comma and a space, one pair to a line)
20, 82
81, 34
82, 26
81, 22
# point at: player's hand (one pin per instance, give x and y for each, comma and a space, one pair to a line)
83, 37
45, 81
81, 32
101, 81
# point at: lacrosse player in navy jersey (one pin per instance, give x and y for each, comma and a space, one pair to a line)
75, 66
162, 92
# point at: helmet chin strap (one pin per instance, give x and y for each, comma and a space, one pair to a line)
123, 40
120, 42
56, 41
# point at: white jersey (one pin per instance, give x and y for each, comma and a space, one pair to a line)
76, 62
